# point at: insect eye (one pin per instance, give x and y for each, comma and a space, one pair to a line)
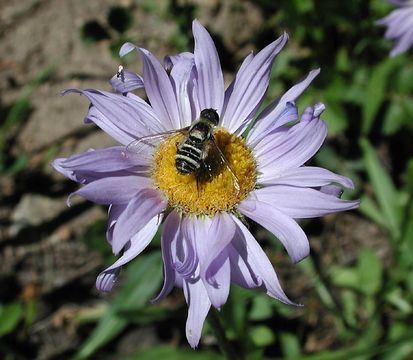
211, 115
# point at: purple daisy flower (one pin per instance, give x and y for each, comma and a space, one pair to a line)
399, 26
205, 244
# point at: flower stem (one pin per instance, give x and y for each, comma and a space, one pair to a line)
219, 331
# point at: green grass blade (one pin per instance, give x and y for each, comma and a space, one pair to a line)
384, 189
144, 279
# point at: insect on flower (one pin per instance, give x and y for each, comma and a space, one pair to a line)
120, 74
197, 153
185, 160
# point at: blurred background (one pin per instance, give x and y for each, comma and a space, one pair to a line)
357, 286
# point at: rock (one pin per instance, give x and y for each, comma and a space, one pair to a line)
33, 210
54, 116
57, 259
233, 21
27, 55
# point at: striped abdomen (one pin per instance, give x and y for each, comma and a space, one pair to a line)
190, 152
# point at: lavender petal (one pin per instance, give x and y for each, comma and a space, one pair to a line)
302, 203
230, 88
171, 60
112, 190
181, 76
126, 81
144, 205
307, 176
290, 148
250, 86
120, 116
126, 48
211, 238
171, 234
198, 307
244, 242
138, 243
332, 190
399, 27
219, 235
242, 272
267, 120
218, 279
113, 129
102, 160
210, 78
184, 252
282, 226
114, 212
159, 90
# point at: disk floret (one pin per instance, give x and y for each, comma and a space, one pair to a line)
211, 193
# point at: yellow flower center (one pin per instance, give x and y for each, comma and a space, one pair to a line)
206, 192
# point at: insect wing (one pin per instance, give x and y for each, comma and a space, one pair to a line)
225, 163
145, 146
146, 143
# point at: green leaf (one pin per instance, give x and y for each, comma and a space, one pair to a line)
393, 119
402, 352
399, 331
409, 176
17, 114
109, 326
404, 80
146, 315
370, 271
406, 244
17, 166
370, 336
30, 312
335, 117
342, 60
234, 313
369, 208
10, 316
345, 277
261, 335
93, 239
395, 297
409, 279
307, 265
366, 277
357, 352
349, 300
143, 279
303, 6
383, 187
328, 158
178, 40
400, 114
290, 346
261, 308
375, 92
171, 353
